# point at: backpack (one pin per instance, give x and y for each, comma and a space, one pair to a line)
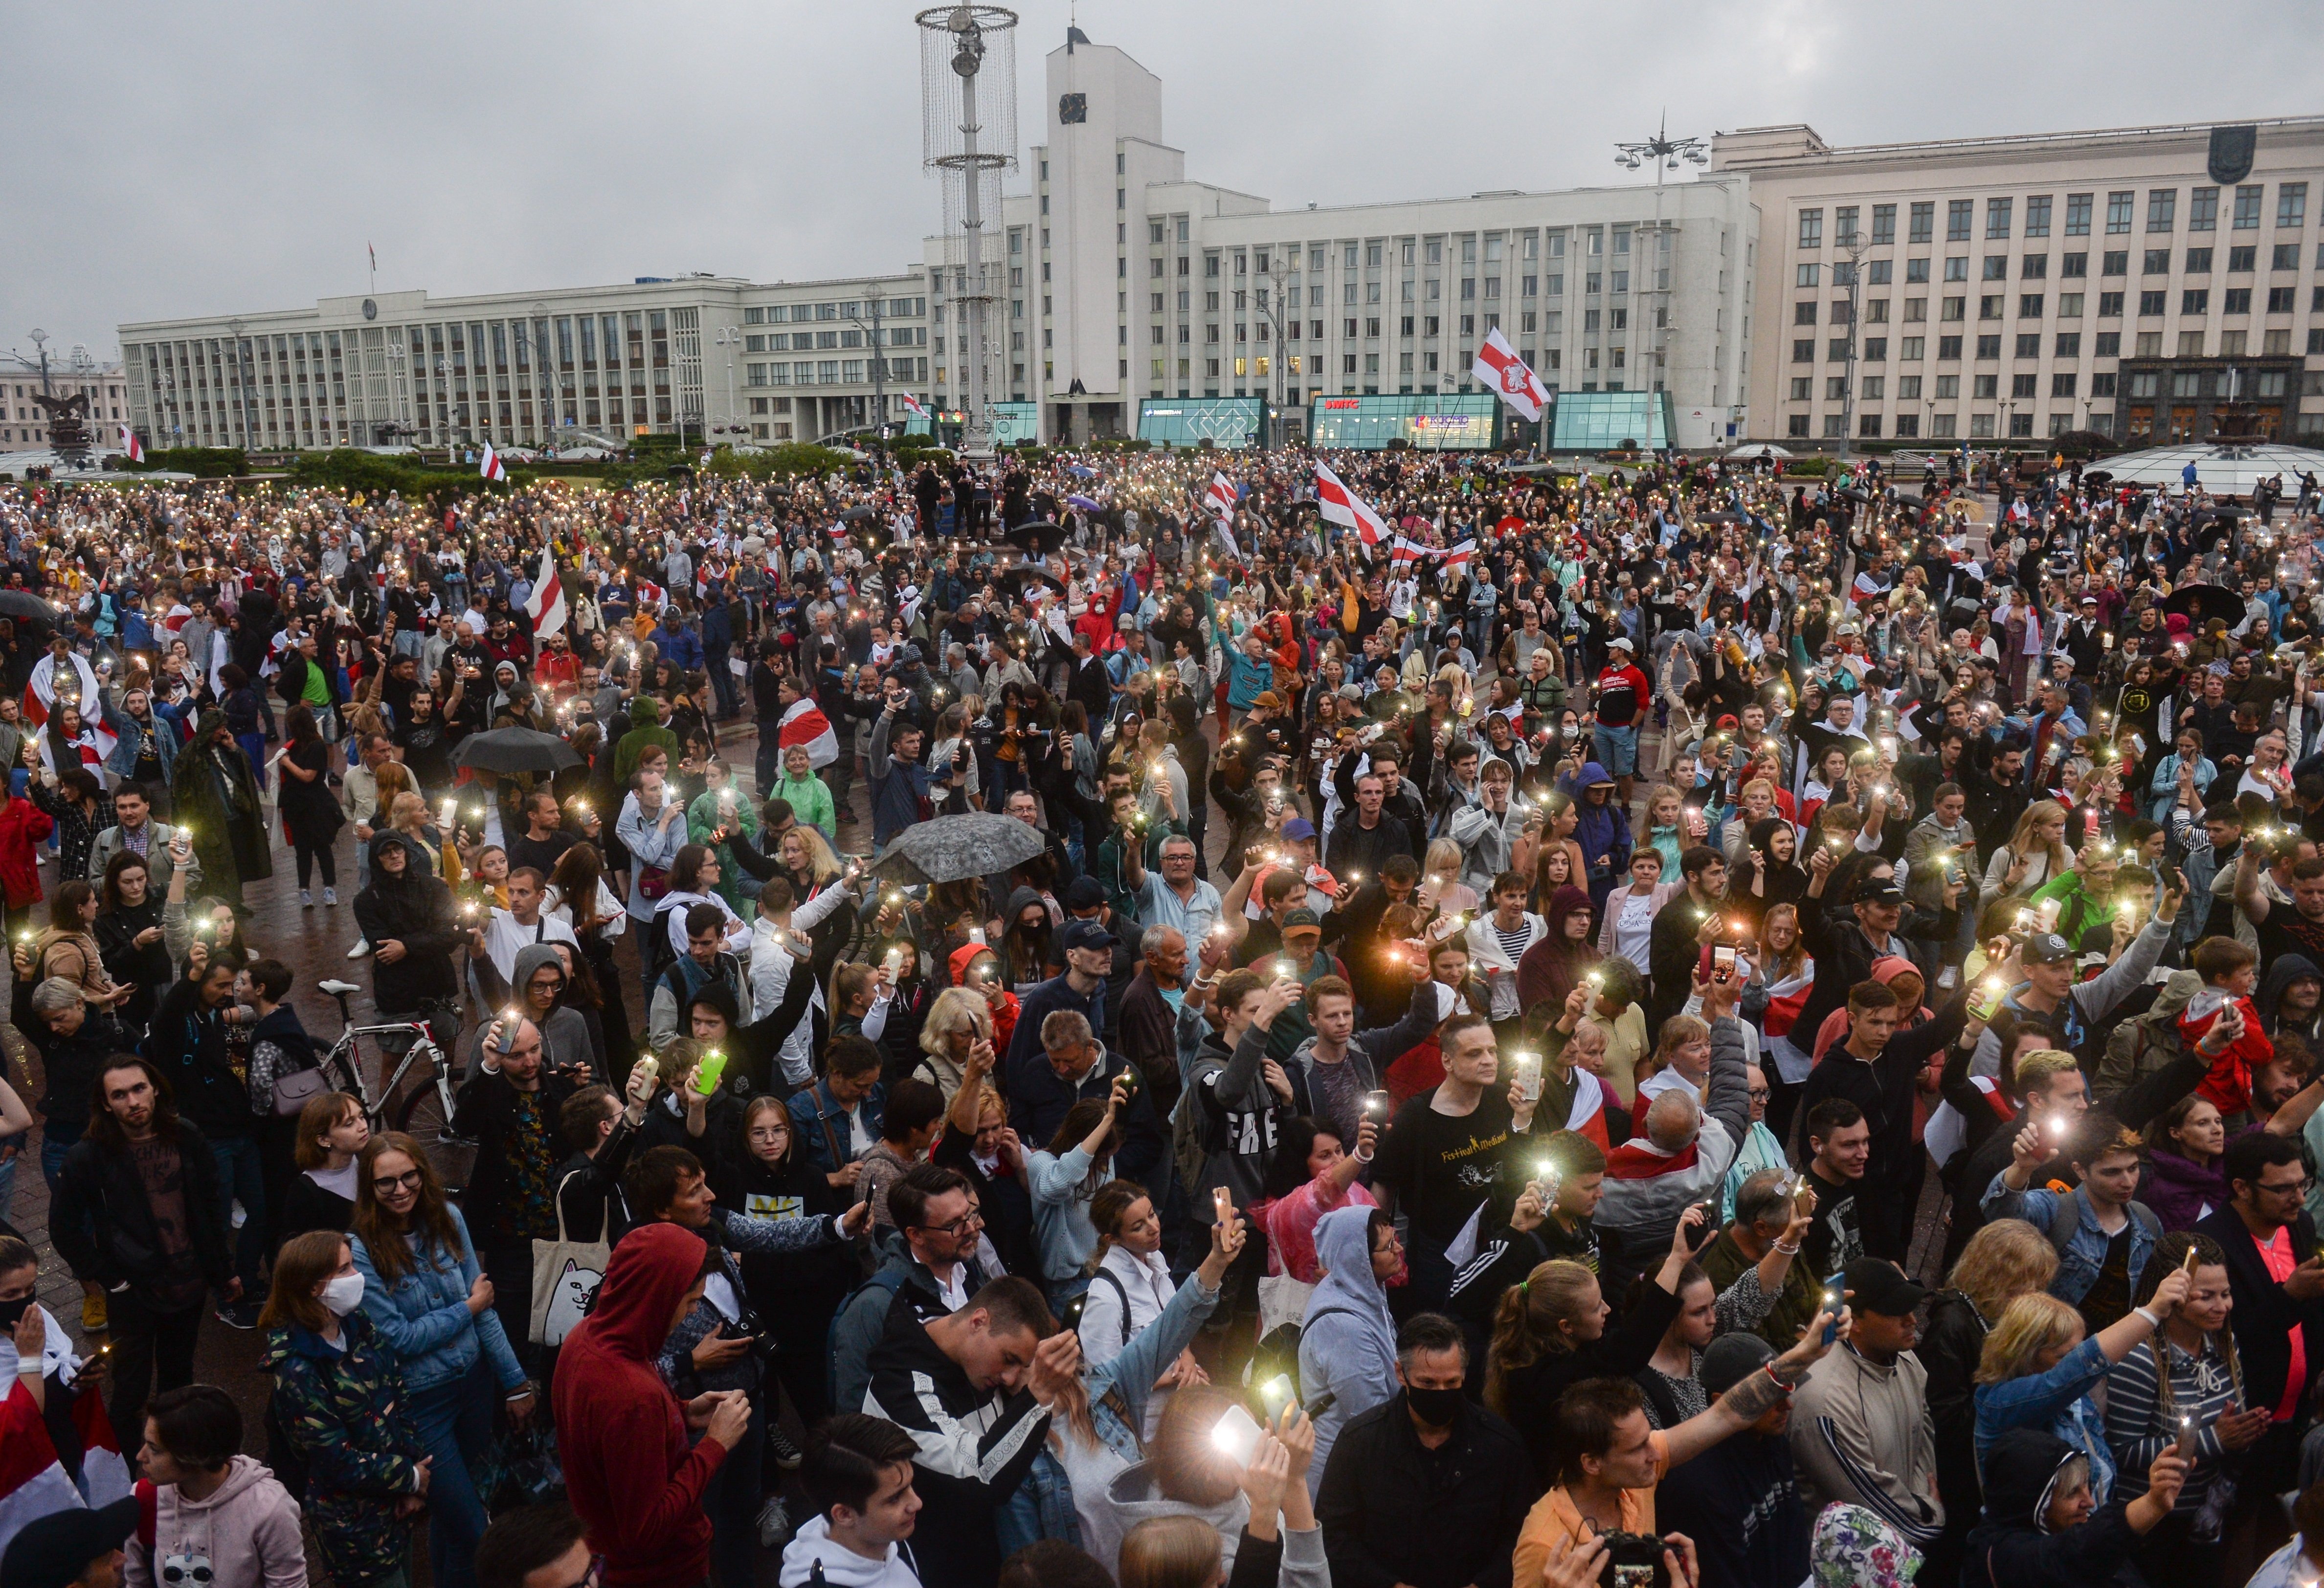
1277, 1356
883, 1278
2062, 1226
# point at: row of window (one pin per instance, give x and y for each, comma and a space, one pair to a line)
2244, 213
805, 341
2242, 260
774, 314
2064, 344
2233, 301
832, 372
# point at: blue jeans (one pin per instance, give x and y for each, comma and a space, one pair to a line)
239, 1172
8, 1173
56, 1141
455, 1421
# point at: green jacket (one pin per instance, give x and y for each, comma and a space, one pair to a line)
702, 819
810, 801
347, 1413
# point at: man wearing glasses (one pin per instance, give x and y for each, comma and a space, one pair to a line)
930, 1263
2277, 1279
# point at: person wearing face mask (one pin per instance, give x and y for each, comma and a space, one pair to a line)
340, 1400
1426, 1488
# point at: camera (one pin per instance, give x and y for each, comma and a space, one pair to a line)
1633, 1560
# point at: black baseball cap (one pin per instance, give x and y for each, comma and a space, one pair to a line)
1878, 890
54, 1551
1730, 1359
1088, 934
1874, 1284
2046, 948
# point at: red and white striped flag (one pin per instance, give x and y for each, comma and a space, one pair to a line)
1344, 507
1221, 497
650, 596
493, 468
545, 604
1499, 367
132, 445
34, 1483
80, 689
1459, 556
912, 405
1865, 588
804, 723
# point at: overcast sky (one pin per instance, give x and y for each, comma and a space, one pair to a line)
168, 160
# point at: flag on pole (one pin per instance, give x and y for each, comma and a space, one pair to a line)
912, 405
1499, 367
546, 605
804, 723
1221, 497
374, 254
493, 468
132, 445
1344, 507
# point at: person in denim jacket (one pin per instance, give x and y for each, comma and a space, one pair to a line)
2105, 1157
838, 1118
427, 1295
2039, 1367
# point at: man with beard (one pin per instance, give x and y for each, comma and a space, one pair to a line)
216, 796
426, 744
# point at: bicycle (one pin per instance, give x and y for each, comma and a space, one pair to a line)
424, 1111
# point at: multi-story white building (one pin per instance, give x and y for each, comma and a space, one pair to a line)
2149, 283
23, 427
1125, 281
567, 365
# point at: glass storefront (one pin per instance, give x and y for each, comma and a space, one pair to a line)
1221, 421
1462, 422
1600, 421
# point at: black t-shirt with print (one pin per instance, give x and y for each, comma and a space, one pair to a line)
1443, 1166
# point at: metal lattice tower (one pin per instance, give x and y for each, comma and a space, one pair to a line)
968, 137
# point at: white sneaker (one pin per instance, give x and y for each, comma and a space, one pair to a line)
361, 948
331, 897
305, 900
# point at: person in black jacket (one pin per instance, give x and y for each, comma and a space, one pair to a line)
1426, 1488
141, 1211
510, 1108
406, 916
1878, 1067
130, 940
189, 1048
2042, 1528
2277, 1279
1740, 1501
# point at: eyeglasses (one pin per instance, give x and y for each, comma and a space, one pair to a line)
2284, 1187
594, 1576
409, 1180
1761, 1094
958, 1227
769, 1133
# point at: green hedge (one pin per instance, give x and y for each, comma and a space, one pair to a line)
208, 463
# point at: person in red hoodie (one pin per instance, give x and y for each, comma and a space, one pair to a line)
23, 825
2229, 970
629, 1471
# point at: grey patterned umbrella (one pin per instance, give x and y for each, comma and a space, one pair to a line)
952, 847
515, 750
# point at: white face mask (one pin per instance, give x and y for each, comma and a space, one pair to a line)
342, 1294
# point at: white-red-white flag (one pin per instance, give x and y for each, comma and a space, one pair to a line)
804, 723
1220, 498
1344, 507
1459, 556
912, 405
492, 467
545, 604
34, 1482
1499, 367
132, 445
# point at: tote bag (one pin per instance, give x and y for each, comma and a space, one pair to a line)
565, 1275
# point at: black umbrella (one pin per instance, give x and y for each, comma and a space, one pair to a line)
515, 750
853, 513
1720, 518
24, 603
2098, 476
1038, 537
2198, 603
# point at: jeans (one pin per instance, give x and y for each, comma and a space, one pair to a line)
722, 680
455, 1421
732, 1499
769, 762
510, 1269
8, 1172
56, 1141
242, 1175
151, 1350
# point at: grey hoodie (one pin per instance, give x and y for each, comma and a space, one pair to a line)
1369, 1053
246, 1533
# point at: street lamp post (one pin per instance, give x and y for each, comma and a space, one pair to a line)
1273, 309
1665, 152
879, 365
729, 338
1855, 247
241, 381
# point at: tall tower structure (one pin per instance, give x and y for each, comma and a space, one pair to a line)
968, 137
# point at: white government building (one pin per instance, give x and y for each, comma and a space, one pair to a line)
1127, 300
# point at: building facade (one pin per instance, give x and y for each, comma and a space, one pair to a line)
597, 365
23, 427
1124, 281
2150, 283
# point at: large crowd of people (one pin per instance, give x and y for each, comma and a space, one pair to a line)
1658, 1024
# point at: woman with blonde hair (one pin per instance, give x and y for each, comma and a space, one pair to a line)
2036, 852
956, 1021
1682, 1059
1657, 826
2038, 1365
408, 814
2003, 1261
1440, 880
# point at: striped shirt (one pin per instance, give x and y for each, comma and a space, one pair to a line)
2138, 1426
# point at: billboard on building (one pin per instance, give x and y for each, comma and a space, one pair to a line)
1233, 422
1600, 421
1458, 422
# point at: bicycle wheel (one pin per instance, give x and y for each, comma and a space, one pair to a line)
420, 1115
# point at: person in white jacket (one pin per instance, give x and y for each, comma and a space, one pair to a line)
1498, 940
778, 918
1130, 1287
859, 1475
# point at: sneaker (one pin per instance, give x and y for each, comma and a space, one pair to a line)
362, 947
305, 900
238, 1315
331, 897
92, 1313
786, 1455
774, 1524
